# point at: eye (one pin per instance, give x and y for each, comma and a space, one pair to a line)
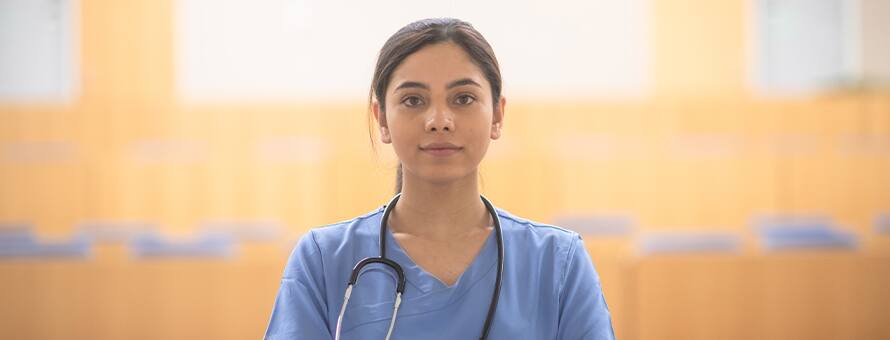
412, 101
465, 99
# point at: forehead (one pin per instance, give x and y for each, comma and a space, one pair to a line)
437, 65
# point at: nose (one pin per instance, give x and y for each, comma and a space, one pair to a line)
440, 120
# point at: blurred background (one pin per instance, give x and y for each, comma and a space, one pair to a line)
727, 162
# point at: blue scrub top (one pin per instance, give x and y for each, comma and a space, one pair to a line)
550, 289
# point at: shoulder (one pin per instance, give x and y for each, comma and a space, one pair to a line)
336, 238
362, 226
537, 235
544, 249
350, 238
527, 227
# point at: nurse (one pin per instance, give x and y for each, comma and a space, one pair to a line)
436, 98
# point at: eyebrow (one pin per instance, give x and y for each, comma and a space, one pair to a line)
456, 83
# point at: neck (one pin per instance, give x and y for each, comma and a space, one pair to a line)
440, 211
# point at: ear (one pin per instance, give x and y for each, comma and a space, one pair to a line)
381, 121
497, 120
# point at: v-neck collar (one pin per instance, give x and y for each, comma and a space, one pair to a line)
424, 292
426, 283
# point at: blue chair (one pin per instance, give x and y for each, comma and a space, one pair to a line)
19, 241
791, 232
206, 244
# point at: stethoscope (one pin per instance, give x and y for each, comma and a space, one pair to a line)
400, 288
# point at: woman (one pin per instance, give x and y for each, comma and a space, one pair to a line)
436, 97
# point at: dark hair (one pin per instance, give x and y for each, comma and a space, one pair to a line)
418, 34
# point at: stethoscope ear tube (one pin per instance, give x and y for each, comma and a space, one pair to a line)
492, 308
386, 212
343, 311
353, 278
392, 264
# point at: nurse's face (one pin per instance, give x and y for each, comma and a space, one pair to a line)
439, 114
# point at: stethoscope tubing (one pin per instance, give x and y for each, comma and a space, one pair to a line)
400, 288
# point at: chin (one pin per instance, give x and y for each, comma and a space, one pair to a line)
445, 176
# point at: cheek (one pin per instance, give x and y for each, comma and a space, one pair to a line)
481, 126
479, 136
403, 135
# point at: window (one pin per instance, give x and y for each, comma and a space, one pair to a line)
807, 46
295, 49
38, 50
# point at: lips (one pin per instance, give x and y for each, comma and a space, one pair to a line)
440, 149
439, 146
